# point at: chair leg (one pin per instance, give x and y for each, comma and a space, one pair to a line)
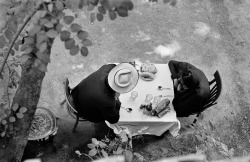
76, 123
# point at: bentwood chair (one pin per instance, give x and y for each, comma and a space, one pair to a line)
70, 104
215, 91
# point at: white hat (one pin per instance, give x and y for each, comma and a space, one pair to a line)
123, 78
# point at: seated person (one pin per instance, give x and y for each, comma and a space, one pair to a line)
96, 97
191, 88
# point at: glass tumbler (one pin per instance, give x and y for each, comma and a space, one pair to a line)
134, 95
149, 97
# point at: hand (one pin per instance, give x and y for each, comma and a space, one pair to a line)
117, 95
179, 87
176, 83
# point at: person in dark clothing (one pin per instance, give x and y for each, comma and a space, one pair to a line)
191, 88
96, 97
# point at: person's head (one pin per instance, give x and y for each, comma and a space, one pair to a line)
186, 79
123, 78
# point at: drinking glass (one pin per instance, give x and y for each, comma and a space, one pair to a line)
134, 95
149, 97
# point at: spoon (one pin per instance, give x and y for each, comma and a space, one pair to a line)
161, 88
127, 109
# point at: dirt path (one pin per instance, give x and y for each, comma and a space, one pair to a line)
212, 35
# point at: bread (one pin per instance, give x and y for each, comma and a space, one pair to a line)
148, 67
147, 76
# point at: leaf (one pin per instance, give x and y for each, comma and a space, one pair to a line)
112, 15
74, 50
91, 146
42, 47
44, 57
41, 66
101, 10
59, 27
13, 26
19, 115
2, 134
95, 141
22, 109
173, 3
166, 1
54, 20
102, 145
49, 25
7, 111
231, 152
123, 136
8, 34
50, 7
90, 7
52, 33
64, 35
34, 30
59, 5
224, 147
12, 52
28, 50
41, 37
86, 42
47, 1
92, 18
122, 12
92, 152
69, 43
15, 107
43, 21
75, 27
128, 155
4, 122
99, 17
24, 47
12, 119
68, 19
119, 151
25, 57
104, 153
82, 35
84, 51
94, 2
2, 41
29, 40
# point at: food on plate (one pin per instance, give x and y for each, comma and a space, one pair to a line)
164, 112
148, 67
147, 76
161, 106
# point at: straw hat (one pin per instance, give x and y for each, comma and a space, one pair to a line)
123, 78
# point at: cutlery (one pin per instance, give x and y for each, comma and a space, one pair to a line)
127, 109
161, 88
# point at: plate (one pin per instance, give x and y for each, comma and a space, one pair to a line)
43, 124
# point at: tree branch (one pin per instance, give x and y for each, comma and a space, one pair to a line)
15, 38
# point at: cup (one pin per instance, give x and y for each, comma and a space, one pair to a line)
149, 97
134, 95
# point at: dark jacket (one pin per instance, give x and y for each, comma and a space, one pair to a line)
94, 99
191, 100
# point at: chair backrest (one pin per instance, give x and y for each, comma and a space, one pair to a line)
67, 92
215, 90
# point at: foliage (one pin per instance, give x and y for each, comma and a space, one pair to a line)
7, 126
119, 145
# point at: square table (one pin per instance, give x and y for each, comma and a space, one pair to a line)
135, 122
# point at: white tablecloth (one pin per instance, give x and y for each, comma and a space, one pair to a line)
136, 122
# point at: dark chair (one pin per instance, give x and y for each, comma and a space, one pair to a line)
70, 105
215, 91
